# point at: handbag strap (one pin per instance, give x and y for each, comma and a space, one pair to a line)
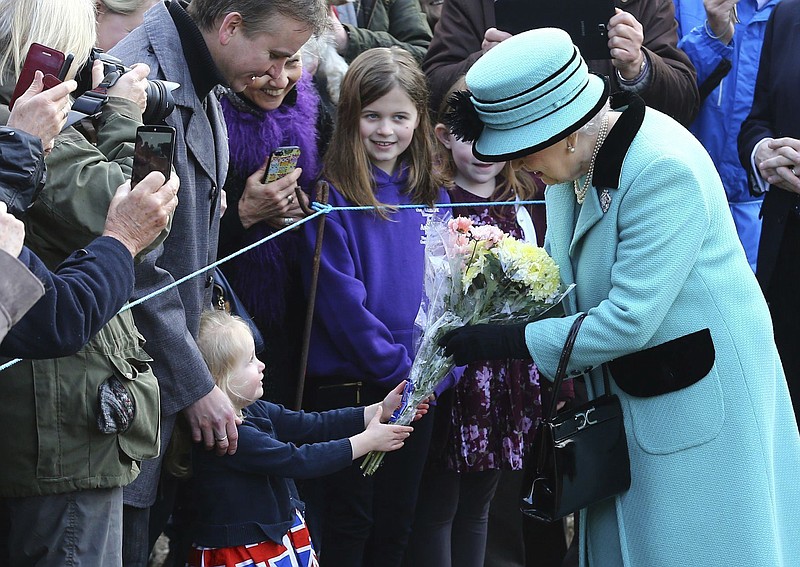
561, 372
563, 361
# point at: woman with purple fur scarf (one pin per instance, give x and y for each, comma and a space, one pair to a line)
271, 112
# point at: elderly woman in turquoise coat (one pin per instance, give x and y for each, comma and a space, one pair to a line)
637, 218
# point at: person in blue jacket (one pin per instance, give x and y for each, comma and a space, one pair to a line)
637, 219
247, 505
723, 40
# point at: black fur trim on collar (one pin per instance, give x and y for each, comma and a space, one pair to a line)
608, 165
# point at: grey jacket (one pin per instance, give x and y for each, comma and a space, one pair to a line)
170, 321
19, 290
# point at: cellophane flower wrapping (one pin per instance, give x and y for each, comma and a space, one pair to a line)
473, 274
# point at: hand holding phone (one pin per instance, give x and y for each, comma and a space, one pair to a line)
52, 63
586, 21
155, 146
42, 113
136, 217
282, 161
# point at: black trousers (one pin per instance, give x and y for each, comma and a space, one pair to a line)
366, 521
451, 518
783, 297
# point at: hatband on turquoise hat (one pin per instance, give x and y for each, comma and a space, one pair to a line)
531, 91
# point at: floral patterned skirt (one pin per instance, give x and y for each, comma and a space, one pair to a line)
295, 550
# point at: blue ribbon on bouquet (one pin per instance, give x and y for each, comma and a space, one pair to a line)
407, 391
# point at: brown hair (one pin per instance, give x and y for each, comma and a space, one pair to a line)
258, 14
372, 75
512, 185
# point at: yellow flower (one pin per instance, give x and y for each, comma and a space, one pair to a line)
476, 263
531, 266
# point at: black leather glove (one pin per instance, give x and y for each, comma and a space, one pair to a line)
485, 342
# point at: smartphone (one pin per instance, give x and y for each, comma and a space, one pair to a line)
50, 80
153, 151
586, 21
39, 58
282, 162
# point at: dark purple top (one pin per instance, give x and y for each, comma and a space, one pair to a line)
497, 403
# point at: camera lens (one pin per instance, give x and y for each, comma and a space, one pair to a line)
160, 102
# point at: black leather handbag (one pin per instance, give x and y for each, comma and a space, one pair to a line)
579, 456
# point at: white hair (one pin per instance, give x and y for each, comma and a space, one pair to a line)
593, 126
65, 25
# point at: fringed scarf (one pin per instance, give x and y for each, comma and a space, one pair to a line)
263, 276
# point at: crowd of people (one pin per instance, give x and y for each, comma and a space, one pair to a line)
141, 405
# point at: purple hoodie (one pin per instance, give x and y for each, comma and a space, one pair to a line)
370, 286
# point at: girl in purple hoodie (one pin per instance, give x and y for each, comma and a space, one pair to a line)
368, 295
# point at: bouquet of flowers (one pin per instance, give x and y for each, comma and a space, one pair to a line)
473, 274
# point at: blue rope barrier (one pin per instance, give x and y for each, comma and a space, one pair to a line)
320, 210
435, 205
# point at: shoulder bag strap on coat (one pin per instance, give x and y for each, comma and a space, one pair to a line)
561, 372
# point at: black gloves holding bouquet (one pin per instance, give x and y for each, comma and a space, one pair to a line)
485, 342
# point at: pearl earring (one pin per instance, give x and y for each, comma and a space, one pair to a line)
570, 149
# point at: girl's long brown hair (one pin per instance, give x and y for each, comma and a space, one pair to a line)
372, 75
512, 184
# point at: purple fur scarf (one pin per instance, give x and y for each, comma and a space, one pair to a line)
264, 276
254, 133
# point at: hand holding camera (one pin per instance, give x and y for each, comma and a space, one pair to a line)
132, 85
159, 100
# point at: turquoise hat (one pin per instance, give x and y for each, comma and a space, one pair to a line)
528, 92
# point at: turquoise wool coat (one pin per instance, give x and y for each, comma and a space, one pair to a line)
715, 466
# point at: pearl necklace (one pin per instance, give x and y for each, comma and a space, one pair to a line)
580, 192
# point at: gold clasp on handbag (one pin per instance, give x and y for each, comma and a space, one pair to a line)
585, 418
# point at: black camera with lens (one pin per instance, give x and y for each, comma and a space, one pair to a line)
160, 102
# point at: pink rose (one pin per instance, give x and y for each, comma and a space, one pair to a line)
459, 224
488, 233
